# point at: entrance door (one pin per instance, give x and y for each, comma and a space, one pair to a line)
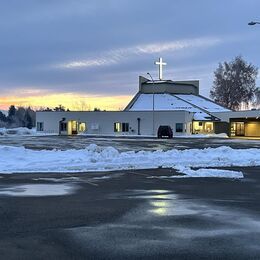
74, 127
240, 129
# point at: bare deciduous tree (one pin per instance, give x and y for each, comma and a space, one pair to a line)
234, 83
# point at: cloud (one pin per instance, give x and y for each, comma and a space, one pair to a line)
116, 56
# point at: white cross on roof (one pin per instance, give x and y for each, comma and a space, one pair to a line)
161, 64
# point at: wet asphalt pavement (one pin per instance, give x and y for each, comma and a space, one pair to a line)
128, 214
124, 144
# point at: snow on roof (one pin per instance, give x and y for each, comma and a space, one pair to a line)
168, 102
161, 102
156, 81
200, 116
203, 103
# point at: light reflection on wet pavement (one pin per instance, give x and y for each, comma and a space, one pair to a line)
170, 225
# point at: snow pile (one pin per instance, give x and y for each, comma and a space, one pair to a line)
219, 173
203, 172
95, 158
222, 135
17, 131
22, 131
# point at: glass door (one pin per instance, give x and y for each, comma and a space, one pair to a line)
240, 129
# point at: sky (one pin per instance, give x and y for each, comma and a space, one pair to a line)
87, 54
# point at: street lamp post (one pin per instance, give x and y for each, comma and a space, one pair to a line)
253, 23
153, 98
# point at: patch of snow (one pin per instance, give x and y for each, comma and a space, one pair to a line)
200, 116
96, 158
204, 172
101, 178
37, 190
222, 135
22, 131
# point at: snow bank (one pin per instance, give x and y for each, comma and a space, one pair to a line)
17, 131
95, 158
22, 131
222, 135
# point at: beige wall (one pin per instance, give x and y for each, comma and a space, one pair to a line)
252, 129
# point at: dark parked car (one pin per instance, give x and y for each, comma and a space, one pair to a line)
164, 131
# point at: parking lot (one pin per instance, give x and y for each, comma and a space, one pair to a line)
133, 214
125, 144
128, 214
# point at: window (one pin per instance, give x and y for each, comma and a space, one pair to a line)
39, 126
179, 127
117, 127
121, 127
82, 127
63, 127
125, 127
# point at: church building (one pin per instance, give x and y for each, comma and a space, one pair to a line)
175, 104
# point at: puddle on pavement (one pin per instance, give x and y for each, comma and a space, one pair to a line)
152, 194
65, 179
102, 178
38, 190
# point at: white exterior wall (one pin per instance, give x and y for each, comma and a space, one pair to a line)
226, 116
106, 120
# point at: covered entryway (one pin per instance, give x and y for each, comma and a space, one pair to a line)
72, 127
237, 129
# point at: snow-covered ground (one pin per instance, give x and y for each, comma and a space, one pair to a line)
96, 158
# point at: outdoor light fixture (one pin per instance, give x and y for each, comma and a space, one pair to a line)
253, 23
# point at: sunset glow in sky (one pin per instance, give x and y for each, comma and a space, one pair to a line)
92, 52
69, 100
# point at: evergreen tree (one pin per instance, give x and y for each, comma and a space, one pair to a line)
11, 111
2, 117
28, 119
11, 115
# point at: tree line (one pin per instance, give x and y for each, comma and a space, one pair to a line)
18, 117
